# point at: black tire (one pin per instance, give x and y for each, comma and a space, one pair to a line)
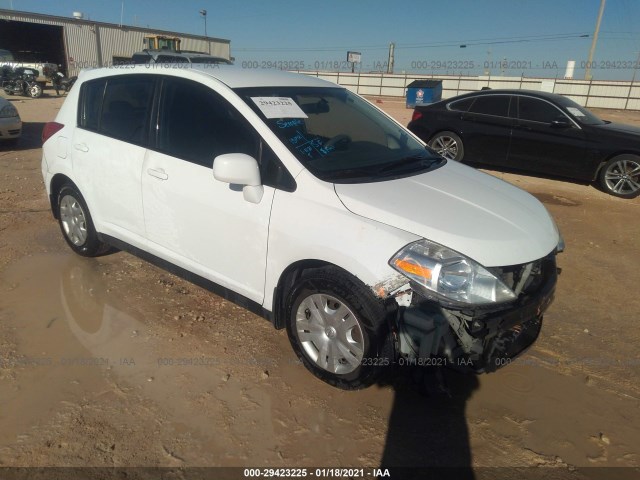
12, 142
90, 245
448, 144
620, 176
371, 340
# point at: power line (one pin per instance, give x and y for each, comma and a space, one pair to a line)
484, 41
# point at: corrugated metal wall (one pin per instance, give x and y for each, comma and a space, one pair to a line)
94, 44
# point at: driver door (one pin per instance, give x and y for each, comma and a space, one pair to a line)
193, 220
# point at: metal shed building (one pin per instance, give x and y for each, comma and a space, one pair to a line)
79, 43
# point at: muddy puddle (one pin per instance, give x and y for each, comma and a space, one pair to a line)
76, 351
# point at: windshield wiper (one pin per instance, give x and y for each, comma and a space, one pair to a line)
415, 161
350, 173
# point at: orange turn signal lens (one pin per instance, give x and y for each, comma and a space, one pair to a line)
413, 269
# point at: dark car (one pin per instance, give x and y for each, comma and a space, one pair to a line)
536, 132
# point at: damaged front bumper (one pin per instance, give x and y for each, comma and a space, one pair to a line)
476, 339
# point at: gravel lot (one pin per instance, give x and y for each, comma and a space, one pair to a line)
113, 362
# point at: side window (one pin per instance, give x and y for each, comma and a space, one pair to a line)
461, 105
126, 107
537, 110
497, 105
90, 104
197, 125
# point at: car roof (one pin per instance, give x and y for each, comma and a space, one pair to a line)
233, 76
504, 91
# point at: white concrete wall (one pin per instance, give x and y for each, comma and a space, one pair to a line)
596, 93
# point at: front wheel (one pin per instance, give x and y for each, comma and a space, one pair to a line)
449, 145
34, 90
338, 328
76, 223
621, 176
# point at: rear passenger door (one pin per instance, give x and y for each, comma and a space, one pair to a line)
487, 128
108, 150
192, 219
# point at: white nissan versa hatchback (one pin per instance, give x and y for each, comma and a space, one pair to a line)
304, 203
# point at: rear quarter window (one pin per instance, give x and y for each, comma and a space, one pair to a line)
91, 97
118, 107
496, 105
461, 105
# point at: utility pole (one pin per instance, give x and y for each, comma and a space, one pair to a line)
587, 71
121, 13
204, 15
392, 47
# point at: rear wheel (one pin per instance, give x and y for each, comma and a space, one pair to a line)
76, 224
621, 176
448, 144
338, 328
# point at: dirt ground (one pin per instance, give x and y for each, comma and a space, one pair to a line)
114, 362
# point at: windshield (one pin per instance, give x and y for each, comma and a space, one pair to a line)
581, 114
337, 135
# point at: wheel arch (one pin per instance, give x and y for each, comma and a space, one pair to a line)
57, 182
287, 281
444, 129
603, 162
290, 276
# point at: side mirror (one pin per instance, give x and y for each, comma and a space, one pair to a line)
560, 123
240, 169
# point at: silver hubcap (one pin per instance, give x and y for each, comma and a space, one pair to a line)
445, 146
73, 220
329, 333
623, 177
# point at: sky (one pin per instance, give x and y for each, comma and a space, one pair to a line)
510, 37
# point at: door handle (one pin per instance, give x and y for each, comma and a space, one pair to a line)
158, 173
81, 147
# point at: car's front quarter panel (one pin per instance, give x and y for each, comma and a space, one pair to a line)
312, 224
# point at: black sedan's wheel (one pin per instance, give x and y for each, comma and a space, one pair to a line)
76, 224
449, 145
621, 176
338, 329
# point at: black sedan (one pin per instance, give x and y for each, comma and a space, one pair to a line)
536, 132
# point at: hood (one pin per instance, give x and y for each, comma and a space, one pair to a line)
480, 216
620, 128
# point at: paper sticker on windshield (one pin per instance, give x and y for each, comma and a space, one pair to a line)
279, 107
575, 112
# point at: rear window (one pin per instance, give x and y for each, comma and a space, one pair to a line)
139, 58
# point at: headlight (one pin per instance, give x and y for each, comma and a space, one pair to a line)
449, 274
8, 111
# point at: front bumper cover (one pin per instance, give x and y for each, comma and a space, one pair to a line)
480, 339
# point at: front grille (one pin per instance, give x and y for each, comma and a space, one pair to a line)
528, 278
14, 132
